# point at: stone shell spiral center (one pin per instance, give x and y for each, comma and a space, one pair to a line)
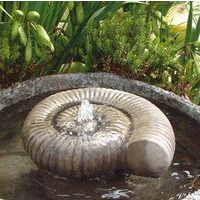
106, 120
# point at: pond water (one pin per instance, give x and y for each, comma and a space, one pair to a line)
20, 179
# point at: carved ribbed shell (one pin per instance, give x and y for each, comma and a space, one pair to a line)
134, 136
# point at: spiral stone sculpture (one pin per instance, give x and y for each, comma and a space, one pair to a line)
126, 133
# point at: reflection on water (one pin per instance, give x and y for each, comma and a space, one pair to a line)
20, 179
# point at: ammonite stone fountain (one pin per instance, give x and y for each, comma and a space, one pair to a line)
87, 132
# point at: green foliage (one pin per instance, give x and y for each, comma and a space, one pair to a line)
137, 40
124, 41
18, 33
15, 53
78, 67
12, 56
145, 44
9, 51
4, 43
60, 41
78, 18
66, 20
50, 12
189, 56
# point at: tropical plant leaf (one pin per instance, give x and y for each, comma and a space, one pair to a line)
188, 34
196, 33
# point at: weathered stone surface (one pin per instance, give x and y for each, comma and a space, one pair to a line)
55, 83
125, 135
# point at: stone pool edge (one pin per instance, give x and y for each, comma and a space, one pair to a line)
52, 83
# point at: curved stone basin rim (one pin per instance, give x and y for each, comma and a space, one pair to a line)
54, 83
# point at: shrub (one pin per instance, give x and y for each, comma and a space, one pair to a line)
124, 40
